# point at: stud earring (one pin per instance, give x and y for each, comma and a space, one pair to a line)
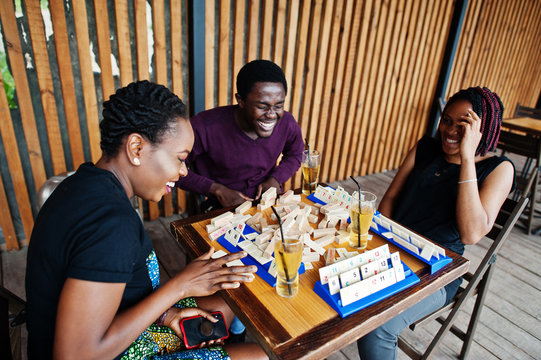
136, 161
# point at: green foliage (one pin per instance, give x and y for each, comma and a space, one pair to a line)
9, 83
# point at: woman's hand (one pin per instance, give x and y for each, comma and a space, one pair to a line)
204, 275
175, 315
471, 124
226, 196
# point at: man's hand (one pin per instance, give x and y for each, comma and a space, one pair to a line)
267, 184
226, 196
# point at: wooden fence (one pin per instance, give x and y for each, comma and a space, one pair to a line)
500, 48
362, 75
71, 88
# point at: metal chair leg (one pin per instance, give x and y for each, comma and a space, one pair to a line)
476, 313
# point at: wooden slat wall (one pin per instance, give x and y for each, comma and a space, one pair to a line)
105, 27
361, 75
500, 48
360, 88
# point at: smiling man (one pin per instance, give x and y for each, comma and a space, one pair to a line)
236, 149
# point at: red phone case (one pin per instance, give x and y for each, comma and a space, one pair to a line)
192, 336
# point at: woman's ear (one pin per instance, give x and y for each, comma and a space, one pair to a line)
134, 147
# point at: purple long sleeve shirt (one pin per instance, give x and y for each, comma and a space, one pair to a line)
223, 153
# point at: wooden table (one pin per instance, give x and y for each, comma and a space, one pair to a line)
528, 125
305, 326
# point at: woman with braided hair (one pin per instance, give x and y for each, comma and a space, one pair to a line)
450, 190
92, 280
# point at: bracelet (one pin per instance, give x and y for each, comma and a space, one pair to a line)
161, 319
467, 181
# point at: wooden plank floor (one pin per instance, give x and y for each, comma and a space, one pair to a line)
510, 325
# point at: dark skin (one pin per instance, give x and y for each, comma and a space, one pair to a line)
257, 115
100, 331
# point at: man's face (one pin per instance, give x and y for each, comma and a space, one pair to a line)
263, 107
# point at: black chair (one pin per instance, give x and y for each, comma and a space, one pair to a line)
477, 285
13, 317
524, 111
528, 178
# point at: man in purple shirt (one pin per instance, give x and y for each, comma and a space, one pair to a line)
237, 147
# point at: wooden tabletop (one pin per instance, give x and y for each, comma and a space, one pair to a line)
528, 125
305, 326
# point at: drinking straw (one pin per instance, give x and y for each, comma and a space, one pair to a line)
309, 166
358, 213
284, 246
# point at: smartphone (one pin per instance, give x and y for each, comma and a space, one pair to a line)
197, 329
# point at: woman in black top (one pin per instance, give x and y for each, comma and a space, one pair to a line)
92, 277
449, 189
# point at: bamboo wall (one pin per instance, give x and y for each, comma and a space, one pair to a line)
361, 75
500, 48
59, 98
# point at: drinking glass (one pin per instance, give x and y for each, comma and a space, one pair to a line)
361, 220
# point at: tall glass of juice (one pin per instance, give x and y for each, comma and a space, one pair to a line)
288, 255
311, 162
361, 218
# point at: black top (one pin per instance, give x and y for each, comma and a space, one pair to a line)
86, 230
427, 202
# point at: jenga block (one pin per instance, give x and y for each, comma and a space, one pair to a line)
221, 220
318, 233
322, 224
342, 237
269, 194
266, 236
267, 253
326, 240
312, 256
314, 246
330, 255
242, 208
254, 219
332, 222
219, 232
261, 207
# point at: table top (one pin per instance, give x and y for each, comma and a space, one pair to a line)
527, 124
305, 326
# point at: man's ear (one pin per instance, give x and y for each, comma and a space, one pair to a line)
134, 148
239, 100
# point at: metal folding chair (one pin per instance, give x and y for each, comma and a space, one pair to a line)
478, 283
521, 111
528, 178
13, 315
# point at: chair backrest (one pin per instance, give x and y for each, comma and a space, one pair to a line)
12, 315
505, 221
520, 144
521, 110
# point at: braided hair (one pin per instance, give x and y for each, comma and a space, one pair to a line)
142, 107
258, 71
488, 106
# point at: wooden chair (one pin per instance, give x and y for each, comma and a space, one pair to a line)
524, 111
527, 179
477, 286
13, 316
